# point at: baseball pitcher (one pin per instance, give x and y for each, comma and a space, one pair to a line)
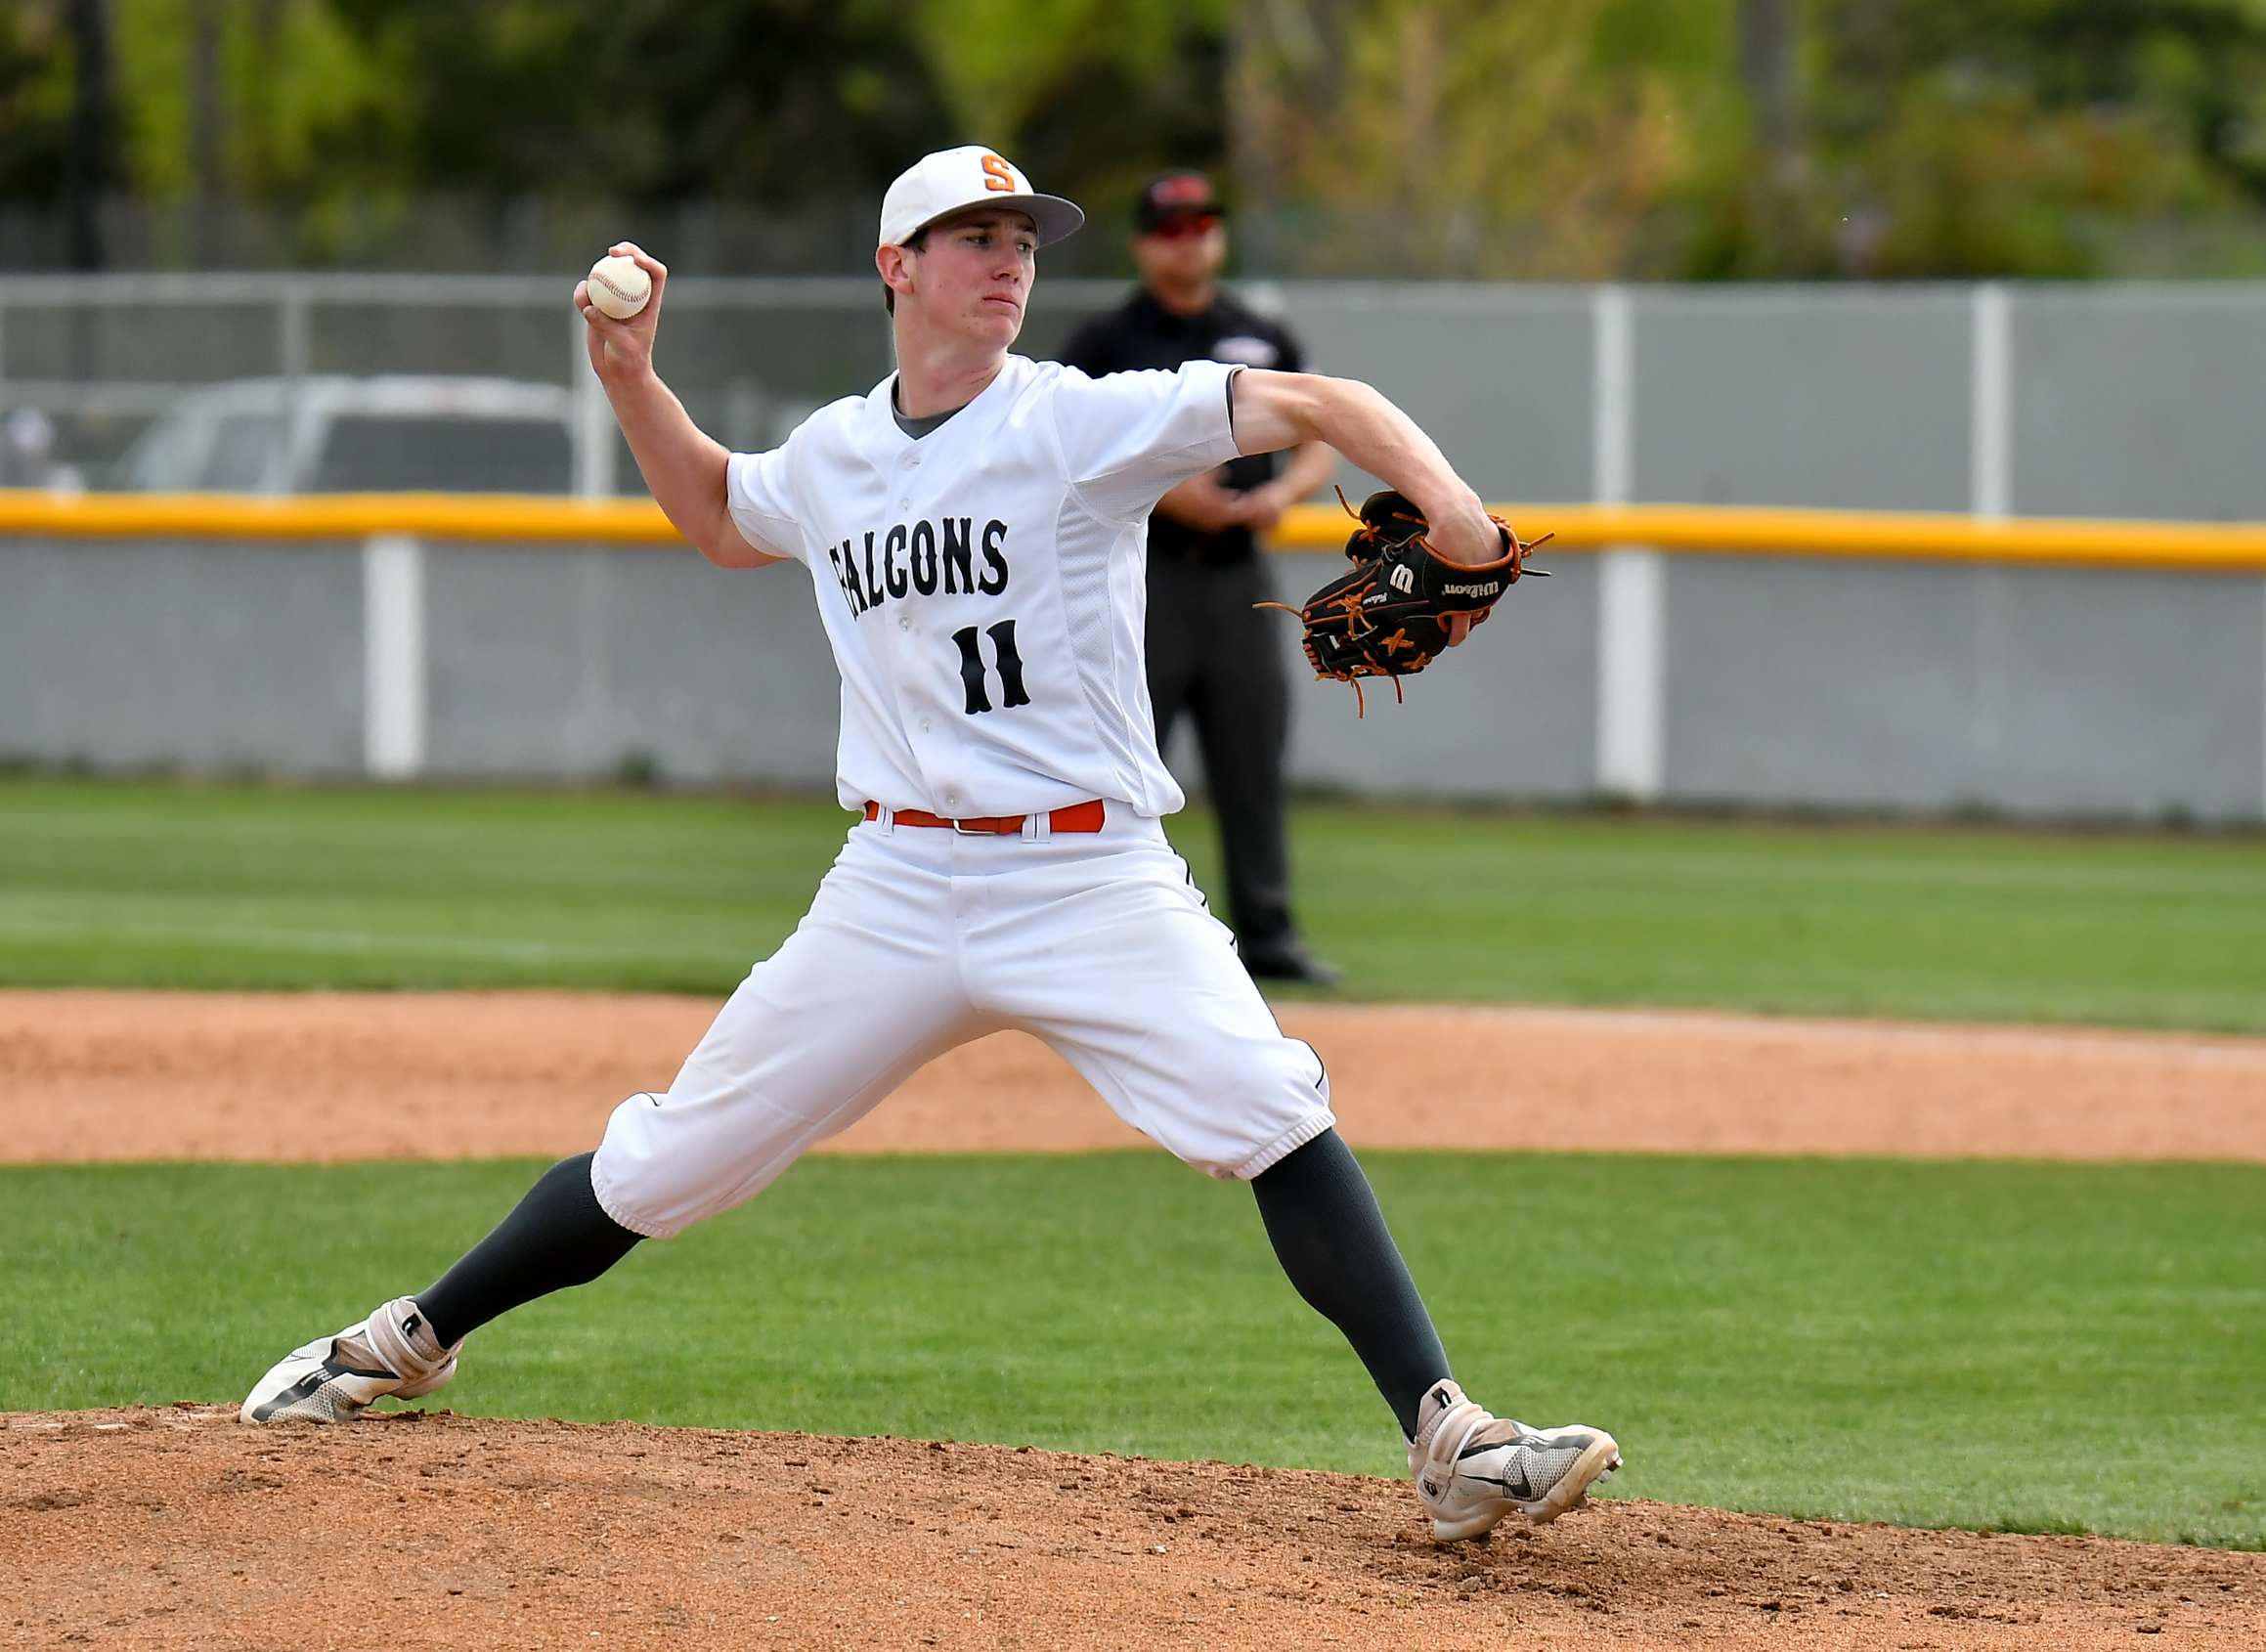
975, 529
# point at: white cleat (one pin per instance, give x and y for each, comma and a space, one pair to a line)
1472, 1468
336, 1378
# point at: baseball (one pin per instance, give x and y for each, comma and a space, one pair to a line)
619, 286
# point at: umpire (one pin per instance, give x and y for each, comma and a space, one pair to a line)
1211, 651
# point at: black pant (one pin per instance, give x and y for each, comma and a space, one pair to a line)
1212, 653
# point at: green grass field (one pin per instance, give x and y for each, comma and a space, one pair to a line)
2015, 1345
206, 886
2020, 1346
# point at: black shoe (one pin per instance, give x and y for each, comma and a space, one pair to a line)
1288, 960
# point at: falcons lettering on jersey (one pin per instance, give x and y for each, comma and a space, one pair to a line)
923, 557
1004, 547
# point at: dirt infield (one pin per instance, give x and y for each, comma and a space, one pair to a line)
94, 1075
181, 1528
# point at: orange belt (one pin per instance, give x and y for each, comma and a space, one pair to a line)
1079, 817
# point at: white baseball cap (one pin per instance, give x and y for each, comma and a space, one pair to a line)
954, 180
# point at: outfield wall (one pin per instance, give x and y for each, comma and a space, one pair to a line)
1771, 680
1844, 684
1784, 681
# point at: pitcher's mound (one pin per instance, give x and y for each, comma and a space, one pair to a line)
184, 1528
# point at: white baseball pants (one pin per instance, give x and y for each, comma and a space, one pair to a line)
921, 939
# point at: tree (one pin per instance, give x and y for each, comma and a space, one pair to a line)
1469, 137
1749, 138
1721, 139
2005, 137
244, 100
1088, 95
90, 166
647, 100
36, 97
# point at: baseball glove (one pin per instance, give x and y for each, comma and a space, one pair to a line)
1389, 617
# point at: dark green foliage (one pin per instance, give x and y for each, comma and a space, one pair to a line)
2199, 66
36, 78
1995, 136
750, 99
1103, 125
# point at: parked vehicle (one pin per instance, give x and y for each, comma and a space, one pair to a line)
327, 434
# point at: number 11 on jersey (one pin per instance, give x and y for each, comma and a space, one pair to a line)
972, 673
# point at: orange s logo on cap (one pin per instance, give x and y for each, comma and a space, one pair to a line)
998, 176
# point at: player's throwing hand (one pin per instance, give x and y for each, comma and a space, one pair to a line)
623, 348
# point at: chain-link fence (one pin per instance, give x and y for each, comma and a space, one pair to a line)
2050, 400
89, 364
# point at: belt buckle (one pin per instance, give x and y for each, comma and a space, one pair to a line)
971, 832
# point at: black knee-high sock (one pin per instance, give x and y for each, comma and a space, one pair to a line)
1333, 1241
555, 1237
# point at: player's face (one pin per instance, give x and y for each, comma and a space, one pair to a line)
974, 276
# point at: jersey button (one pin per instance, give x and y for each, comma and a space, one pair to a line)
904, 625
924, 725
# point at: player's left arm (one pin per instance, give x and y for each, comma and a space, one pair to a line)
1274, 411
1309, 466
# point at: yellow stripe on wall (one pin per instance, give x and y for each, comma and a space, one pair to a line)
334, 516
1723, 530
1757, 530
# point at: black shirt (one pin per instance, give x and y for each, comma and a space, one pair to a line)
1142, 333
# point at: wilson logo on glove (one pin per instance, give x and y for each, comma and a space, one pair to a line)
1391, 615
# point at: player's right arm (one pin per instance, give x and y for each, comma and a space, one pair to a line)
683, 465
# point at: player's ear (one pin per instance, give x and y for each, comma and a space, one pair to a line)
895, 266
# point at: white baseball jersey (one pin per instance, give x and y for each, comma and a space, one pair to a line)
983, 589
983, 585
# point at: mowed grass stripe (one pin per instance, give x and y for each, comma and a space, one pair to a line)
158, 885
164, 885
2039, 1347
